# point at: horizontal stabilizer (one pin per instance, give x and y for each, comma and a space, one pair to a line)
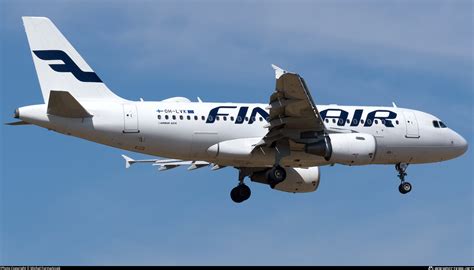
62, 103
18, 123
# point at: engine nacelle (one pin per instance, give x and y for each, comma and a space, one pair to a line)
298, 180
345, 148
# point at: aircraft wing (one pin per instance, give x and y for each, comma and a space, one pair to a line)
293, 113
165, 164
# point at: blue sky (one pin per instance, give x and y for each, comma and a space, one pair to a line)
67, 201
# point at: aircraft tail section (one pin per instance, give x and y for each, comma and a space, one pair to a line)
59, 66
62, 103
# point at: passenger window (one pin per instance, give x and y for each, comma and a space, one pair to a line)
174, 117
435, 124
327, 120
180, 117
189, 117
334, 120
195, 117
231, 118
396, 122
225, 118
203, 118
441, 124
217, 118
246, 119
376, 121
159, 116
166, 117
261, 119
348, 121
362, 121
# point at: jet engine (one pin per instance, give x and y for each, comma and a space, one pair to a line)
345, 148
298, 180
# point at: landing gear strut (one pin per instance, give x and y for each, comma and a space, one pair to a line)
404, 186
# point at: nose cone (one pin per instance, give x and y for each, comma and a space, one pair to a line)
460, 144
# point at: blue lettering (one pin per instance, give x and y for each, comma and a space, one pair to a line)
215, 112
385, 120
260, 111
341, 119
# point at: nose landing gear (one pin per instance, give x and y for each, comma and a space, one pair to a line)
404, 186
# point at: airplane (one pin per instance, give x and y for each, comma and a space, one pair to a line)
282, 143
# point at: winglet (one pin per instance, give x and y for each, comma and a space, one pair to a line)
394, 105
278, 71
128, 161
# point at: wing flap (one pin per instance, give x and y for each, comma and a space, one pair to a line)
292, 110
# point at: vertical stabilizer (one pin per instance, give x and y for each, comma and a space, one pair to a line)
59, 66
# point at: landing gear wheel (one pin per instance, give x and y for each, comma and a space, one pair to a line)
240, 193
275, 175
404, 187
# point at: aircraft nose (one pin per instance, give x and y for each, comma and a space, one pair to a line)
460, 144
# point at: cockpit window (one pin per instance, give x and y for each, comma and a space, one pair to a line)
439, 124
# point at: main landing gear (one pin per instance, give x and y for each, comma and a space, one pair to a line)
275, 175
404, 186
241, 192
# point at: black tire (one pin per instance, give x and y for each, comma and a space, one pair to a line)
240, 193
404, 187
276, 175
245, 192
234, 195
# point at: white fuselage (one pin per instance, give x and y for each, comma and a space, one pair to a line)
181, 129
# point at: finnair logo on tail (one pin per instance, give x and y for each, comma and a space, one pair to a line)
68, 66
